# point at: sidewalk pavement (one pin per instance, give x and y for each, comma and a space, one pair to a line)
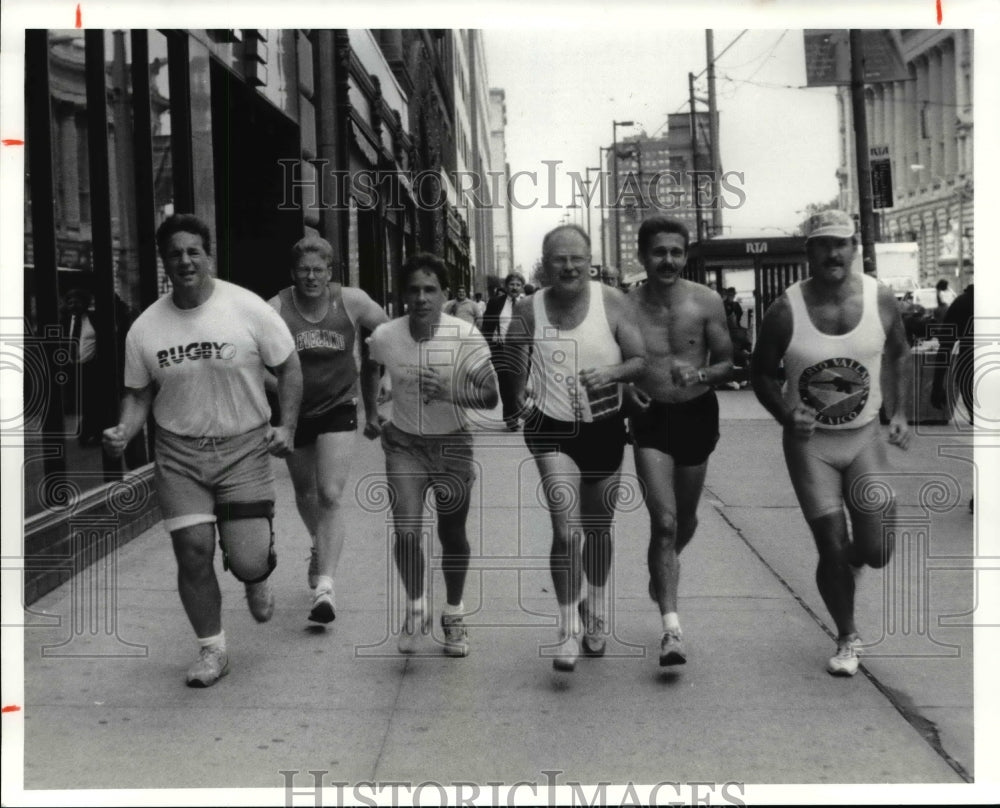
105, 704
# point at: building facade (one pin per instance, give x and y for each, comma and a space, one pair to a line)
267, 135
926, 124
503, 222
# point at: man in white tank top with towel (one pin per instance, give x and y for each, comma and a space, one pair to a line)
584, 346
833, 332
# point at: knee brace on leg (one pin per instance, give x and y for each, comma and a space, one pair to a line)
230, 512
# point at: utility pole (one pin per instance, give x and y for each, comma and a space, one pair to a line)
604, 204
861, 153
713, 128
699, 224
590, 196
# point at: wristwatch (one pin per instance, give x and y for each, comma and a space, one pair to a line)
703, 376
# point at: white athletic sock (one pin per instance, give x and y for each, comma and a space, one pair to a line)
324, 582
450, 610
569, 619
417, 606
595, 600
671, 622
218, 641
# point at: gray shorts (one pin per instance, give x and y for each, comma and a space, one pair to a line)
433, 455
194, 475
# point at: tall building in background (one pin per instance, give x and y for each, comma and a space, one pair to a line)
925, 124
657, 175
690, 146
470, 181
503, 230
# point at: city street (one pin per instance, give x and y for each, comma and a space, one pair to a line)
105, 704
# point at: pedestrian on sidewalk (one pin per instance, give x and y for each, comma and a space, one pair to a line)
325, 318
439, 366
497, 319
197, 358
673, 410
833, 331
462, 306
585, 344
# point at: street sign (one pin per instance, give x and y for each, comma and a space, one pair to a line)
828, 57
881, 173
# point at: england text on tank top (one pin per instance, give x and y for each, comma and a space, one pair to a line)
558, 356
838, 376
326, 351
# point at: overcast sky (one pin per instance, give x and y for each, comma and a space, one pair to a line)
563, 92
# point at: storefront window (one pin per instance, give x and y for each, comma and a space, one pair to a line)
163, 177
73, 305
77, 444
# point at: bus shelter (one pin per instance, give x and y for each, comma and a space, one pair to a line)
767, 265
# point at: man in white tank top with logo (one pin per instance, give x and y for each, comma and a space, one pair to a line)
833, 332
584, 346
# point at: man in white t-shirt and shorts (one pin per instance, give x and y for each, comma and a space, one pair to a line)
196, 358
832, 333
439, 367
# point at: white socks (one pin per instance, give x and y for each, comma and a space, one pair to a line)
450, 610
218, 641
569, 619
671, 622
595, 600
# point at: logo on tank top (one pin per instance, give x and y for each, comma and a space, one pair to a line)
195, 350
319, 338
837, 389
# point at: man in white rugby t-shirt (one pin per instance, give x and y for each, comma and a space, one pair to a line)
196, 358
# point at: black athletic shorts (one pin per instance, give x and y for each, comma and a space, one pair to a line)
687, 431
597, 448
342, 418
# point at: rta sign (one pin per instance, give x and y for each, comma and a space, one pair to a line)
756, 247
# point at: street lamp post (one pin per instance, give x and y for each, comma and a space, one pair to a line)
604, 203
614, 161
590, 196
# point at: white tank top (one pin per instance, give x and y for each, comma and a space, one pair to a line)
558, 356
838, 376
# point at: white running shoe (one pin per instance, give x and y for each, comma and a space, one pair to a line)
845, 661
210, 666
322, 608
456, 635
567, 653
